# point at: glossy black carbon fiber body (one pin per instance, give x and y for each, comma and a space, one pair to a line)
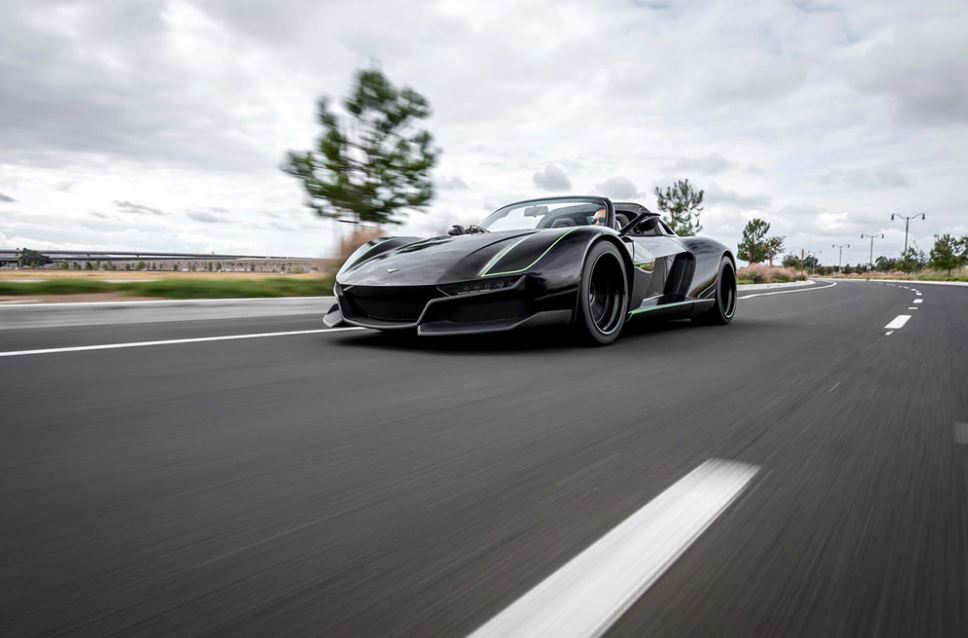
496, 281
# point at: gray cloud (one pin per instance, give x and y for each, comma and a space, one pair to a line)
99, 215
716, 194
6, 198
921, 70
110, 84
866, 179
138, 209
617, 188
551, 178
198, 100
451, 183
708, 165
210, 216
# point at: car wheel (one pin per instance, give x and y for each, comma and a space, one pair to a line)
725, 307
602, 296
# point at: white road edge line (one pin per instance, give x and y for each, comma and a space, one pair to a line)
898, 322
170, 342
590, 592
786, 292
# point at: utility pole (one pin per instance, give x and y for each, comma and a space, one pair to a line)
815, 262
907, 222
870, 261
840, 255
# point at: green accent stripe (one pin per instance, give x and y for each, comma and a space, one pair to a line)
500, 254
659, 307
540, 257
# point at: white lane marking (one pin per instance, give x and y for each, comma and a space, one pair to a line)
786, 292
919, 301
888, 333
590, 592
912, 307
169, 342
918, 294
961, 433
833, 388
898, 322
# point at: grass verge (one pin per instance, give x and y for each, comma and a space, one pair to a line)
177, 288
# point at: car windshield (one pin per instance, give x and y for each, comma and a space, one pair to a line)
550, 213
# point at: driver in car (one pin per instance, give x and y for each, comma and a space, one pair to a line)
599, 218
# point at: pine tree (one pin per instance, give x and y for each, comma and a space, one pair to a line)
373, 165
681, 203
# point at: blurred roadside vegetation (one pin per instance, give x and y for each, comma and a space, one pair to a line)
763, 274
176, 288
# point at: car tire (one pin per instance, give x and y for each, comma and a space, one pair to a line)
724, 308
603, 296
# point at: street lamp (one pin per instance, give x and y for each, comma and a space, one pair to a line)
907, 222
840, 255
870, 262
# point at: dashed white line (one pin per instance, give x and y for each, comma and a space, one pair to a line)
169, 342
590, 592
888, 333
833, 388
912, 307
919, 301
898, 322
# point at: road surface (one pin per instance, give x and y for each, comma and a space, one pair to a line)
801, 472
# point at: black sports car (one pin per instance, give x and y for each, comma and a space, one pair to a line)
582, 261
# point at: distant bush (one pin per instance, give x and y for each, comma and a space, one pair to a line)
763, 274
359, 237
177, 288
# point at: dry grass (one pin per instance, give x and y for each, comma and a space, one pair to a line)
359, 237
145, 275
958, 274
764, 274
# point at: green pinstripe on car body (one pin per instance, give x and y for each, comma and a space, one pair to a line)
503, 253
659, 307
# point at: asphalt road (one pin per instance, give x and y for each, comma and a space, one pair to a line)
344, 484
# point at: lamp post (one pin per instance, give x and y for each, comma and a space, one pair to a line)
840, 255
907, 222
870, 261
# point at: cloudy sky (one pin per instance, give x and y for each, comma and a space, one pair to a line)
162, 124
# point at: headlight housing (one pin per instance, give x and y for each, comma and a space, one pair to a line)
479, 285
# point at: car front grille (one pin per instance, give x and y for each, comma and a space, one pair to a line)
403, 304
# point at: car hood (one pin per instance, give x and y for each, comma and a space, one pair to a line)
447, 259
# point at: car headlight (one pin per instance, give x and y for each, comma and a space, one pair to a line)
479, 285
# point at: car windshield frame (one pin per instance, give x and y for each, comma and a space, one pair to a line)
591, 200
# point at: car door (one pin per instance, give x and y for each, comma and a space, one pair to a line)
654, 248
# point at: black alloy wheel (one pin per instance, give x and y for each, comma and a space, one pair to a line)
603, 295
724, 308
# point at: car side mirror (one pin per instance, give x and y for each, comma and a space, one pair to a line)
456, 229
